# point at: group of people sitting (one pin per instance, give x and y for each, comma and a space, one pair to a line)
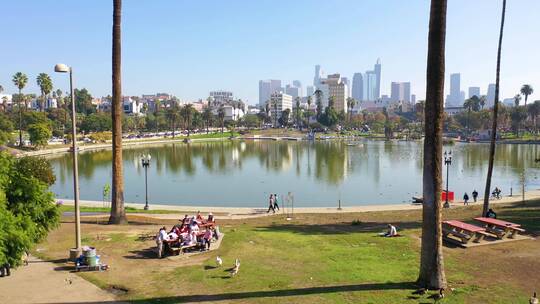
193, 231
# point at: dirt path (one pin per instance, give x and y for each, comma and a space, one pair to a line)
39, 282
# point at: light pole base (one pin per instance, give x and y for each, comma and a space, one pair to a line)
446, 205
146, 207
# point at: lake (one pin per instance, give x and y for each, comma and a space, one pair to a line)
244, 173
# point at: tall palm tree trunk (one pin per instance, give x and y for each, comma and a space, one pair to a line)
118, 214
20, 117
495, 114
431, 258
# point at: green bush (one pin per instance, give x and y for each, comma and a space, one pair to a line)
40, 134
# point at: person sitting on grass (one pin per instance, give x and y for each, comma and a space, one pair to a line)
491, 214
391, 232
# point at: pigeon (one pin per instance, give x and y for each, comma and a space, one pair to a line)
237, 263
219, 261
533, 299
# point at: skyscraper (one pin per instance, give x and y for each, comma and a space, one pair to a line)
358, 86
292, 90
319, 82
377, 70
310, 90
266, 88
490, 98
474, 91
456, 96
400, 91
370, 86
298, 84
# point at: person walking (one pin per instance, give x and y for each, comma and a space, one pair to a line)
276, 206
475, 195
271, 204
466, 199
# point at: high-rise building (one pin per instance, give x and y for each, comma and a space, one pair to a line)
348, 83
456, 96
474, 91
298, 84
266, 88
292, 90
318, 75
490, 98
413, 98
319, 82
338, 90
400, 91
310, 90
221, 96
370, 86
358, 86
377, 70
372, 83
279, 102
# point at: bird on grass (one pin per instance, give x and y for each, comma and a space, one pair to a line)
438, 296
236, 268
219, 261
533, 299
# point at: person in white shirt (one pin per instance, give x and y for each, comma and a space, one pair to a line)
160, 238
392, 231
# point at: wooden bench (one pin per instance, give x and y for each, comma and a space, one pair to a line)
465, 232
500, 228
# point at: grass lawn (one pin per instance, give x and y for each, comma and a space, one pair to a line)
313, 259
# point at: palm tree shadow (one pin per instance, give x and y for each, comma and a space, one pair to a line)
282, 293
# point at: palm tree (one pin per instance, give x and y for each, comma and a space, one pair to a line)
45, 85
20, 80
517, 99
267, 110
483, 99
207, 116
221, 116
3, 104
495, 113
297, 99
526, 90
173, 115
318, 101
534, 110
187, 115
431, 257
309, 100
118, 213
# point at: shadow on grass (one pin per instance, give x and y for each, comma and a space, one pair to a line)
527, 214
143, 254
343, 228
273, 293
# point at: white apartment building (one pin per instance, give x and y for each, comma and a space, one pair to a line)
338, 90
132, 106
221, 96
279, 102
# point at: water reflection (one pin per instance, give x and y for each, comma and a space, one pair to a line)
237, 173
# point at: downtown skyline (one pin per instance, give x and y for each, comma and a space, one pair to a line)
188, 58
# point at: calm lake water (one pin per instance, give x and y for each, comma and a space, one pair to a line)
242, 174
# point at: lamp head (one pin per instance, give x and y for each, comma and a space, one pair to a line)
61, 68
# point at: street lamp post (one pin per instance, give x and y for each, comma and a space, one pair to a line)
145, 160
447, 162
62, 68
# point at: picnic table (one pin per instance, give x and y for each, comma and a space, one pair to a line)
463, 231
499, 227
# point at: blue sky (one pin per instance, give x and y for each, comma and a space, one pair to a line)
191, 47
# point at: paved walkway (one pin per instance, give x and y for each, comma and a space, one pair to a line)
39, 282
243, 213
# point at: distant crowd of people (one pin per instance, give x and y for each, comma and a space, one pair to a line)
193, 231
